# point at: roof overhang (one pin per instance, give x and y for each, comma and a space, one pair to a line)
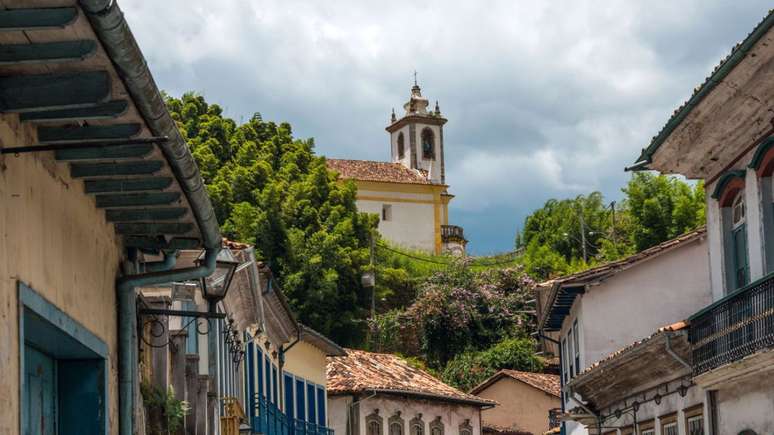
483, 403
325, 344
562, 299
634, 369
73, 74
726, 116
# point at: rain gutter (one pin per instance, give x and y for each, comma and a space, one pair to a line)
113, 31
127, 323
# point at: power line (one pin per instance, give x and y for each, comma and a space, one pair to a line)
446, 263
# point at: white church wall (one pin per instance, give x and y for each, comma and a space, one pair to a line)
406, 160
412, 220
433, 166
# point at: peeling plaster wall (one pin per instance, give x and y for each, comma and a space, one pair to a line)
747, 404
55, 240
338, 406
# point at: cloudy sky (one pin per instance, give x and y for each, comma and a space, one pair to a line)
544, 99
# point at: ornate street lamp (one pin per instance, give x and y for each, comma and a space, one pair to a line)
215, 286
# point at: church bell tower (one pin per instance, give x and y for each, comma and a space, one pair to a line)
416, 138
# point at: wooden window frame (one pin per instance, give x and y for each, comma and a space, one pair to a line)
627, 430
647, 425
691, 412
666, 419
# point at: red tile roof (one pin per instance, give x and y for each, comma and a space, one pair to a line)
542, 381
360, 371
367, 170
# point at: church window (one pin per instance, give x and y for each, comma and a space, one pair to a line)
428, 144
401, 146
386, 212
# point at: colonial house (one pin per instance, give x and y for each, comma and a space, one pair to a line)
255, 370
598, 312
724, 134
93, 173
526, 402
409, 193
381, 394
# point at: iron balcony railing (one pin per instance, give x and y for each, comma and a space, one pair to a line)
270, 420
738, 325
452, 232
553, 417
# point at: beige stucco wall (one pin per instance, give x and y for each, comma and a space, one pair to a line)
55, 240
306, 361
521, 406
452, 415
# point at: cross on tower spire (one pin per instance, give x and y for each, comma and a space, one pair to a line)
415, 77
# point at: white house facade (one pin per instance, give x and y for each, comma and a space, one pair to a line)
598, 312
724, 135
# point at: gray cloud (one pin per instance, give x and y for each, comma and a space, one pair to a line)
544, 99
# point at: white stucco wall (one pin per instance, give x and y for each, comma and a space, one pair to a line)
433, 166
650, 411
413, 217
748, 404
634, 303
338, 406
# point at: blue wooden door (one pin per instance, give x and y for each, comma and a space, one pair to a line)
40, 393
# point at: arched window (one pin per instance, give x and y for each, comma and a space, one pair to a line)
436, 427
396, 424
763, 164
417, 425
374, 423
401, 146
465, 428
428, 144
730, 193
738, 238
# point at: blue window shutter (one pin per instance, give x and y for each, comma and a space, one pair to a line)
310, 405
267, 374
321, 417
274, 385
300, 400
289, 400
259, 361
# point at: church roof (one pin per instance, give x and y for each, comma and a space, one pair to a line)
368, 170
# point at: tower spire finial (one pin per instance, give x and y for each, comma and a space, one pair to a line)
415, 78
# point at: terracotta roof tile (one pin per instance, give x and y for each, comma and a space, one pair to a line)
361, 371
367, 170
542, 381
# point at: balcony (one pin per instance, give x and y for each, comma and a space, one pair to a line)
270, 420
735, 327
554, 418
452, 233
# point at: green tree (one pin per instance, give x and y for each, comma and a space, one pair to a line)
271, 190
470, 368
662, 207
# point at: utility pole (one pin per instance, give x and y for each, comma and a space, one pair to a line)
583, 234
373, 278
613, 232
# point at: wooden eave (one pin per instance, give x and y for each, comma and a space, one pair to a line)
57, 78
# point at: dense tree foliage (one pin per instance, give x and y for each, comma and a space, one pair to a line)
270, 189
464, 319
655, 208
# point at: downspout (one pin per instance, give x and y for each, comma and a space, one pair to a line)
127, 324
674, 355
561, 373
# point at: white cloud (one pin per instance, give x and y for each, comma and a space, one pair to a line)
544, 99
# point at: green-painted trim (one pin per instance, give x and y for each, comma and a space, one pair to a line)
160, 243
111, 109
31, 300
760, 152
34, 302
112, 152
139, 167
71, 133
105, 185
62, 51
41, 18
22, 93
145, 214
725, 67
724, 180
137, 199
731, 295
153, 228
